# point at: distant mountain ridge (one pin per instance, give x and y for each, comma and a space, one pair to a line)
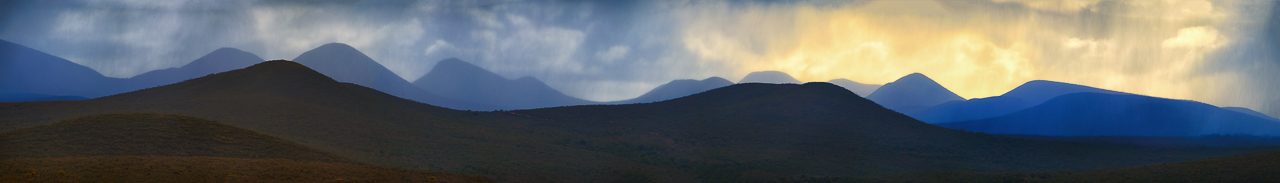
1024, 96
856, 87
912, 93
26, 70
346, 64
676, 89
220, 60
1100, 114
463, 81
774, 77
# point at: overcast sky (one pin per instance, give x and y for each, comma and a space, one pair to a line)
1221, 52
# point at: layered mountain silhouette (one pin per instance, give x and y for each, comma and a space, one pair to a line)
676, 89
1251, 112
855, 87
774, 77
912, 93
1100, 114
346, 64
26, 70
1024, 96
31, 97
30, 75
221, 60
460, 80
729, 134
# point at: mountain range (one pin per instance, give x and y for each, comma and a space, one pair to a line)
775, 77
912, 93
740, 132
1102, 114
676, 89
28, 71
460, 80
1024, 96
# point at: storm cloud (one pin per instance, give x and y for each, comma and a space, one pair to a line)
1220, 52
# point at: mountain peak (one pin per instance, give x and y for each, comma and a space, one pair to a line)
717, 79
912, 93
1039, 91
335, 46
464, 81
776, 77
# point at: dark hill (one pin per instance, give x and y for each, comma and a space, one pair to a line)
733, 133
346, 64
677, 89
912, 93
1095, 114
26, 70
221, 60
460, 80
149, 135
208, 169
775, 77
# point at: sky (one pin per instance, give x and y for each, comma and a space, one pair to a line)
1219, 52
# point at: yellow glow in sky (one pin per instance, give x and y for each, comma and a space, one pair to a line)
976, 48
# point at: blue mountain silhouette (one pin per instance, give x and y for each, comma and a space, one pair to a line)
463, 81
912, 93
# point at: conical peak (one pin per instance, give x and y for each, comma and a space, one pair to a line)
455, 64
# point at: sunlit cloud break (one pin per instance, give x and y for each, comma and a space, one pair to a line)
1212, 51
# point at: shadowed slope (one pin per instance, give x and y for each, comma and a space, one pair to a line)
1094, 114
1252, 112
1024, 96
208, 169
912, 93
149, 135
26, 70
460, 80
346, 64
677, 89
221, 60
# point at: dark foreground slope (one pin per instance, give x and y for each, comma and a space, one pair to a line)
173, 148
739, 132
208, 169
1256, 167
149, 135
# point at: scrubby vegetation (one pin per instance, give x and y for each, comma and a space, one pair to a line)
1257, 167
207, 169
745, 132
139, 134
